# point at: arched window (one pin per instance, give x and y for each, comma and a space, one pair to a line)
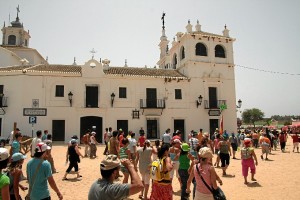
182, 53
174, 61
219, 51
12, 40
201, 49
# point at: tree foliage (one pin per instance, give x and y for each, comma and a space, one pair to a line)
252, 115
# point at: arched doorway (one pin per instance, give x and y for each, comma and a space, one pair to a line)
88, 122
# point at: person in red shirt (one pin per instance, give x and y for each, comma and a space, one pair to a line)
121, 137
177, 135
142, 139
282, 140
295, 142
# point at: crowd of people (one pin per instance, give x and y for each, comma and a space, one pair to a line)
191, 162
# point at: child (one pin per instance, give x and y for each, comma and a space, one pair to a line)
125, 153
15, 176
184, 164
4, 180
247, 155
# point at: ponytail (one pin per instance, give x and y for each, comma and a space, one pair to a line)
144, 147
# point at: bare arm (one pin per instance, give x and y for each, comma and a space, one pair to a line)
191, 171
54, 187
5, 192
16, 183
213, 177
136, 183
78, 152
169, 165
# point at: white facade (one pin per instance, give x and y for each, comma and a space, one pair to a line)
163, 97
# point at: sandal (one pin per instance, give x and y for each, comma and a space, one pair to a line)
64, 179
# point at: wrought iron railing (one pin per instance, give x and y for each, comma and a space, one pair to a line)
152, 103
214, 104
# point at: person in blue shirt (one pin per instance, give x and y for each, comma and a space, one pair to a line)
15, 145
39, 173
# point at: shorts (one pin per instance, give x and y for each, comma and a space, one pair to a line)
225, 158
246, 164
265, 149
296, 144
234, 146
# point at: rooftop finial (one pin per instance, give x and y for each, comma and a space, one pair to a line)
47, 58
225, 26
18, 10
74, 63
125, 63
93, 52
163, 20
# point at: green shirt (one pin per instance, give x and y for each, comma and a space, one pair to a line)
4, 181
184, 162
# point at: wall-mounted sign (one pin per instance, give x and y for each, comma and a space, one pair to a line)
214, 112
34, 111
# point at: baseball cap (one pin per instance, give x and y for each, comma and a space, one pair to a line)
17, 156
147, 141
93, 133
110, 162
74, 137
3, 154
247, 142
42, 147
185, 147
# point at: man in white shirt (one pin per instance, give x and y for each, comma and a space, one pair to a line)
35, 141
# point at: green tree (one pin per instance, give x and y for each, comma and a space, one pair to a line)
252, 115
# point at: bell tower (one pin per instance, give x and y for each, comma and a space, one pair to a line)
15, 35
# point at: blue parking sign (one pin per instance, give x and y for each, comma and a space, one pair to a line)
32, 120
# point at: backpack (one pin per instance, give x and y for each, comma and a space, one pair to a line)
156, 170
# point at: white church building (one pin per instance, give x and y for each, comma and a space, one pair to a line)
192, 86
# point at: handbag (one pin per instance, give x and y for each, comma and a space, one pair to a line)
217, 193
31, 183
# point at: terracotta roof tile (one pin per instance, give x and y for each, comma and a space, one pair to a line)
150, 72
124, 71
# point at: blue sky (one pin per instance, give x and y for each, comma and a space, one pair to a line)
267, 38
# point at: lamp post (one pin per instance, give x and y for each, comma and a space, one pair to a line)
112, 98
199, 101
70, 97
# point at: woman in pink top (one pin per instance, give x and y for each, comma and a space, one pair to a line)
207, 172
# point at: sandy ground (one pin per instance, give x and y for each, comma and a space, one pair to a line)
277, 178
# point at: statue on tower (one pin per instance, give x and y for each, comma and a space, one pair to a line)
18, 10
163, 20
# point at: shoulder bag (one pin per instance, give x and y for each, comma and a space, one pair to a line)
31, 183
217, 193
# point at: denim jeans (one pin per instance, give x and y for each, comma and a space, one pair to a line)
184, 176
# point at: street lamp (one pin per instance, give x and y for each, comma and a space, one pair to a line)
112, 98
239, 103
199, 101
70, 97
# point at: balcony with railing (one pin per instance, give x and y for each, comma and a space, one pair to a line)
214, 104
152, 103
